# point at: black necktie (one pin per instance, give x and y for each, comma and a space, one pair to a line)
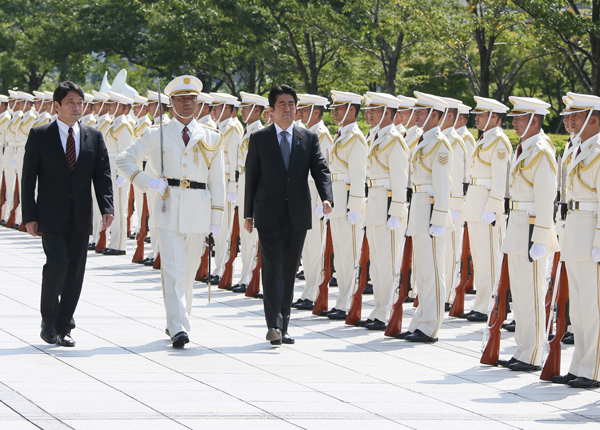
285, 148
70, 152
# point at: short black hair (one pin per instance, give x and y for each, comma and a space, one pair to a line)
63, 89
501, 117
278, 90
439, 114
453, 111
321, 110
356, 107
393, 112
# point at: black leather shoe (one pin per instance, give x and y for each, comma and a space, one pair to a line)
506, 363
471, 292
376, 325
231, 287
258, 296
477, 317
297, 302
92, 246
274, 336
510, 326
306, 305
300, 275
409, 299
419, 336
16, 226
558, 379
214, 280
131, 236
520, 366
368, 289
167, 332
363, 323
333, 282
447, 307
465, 315
240, 288
568, 339
287, 339
48, 333
147, 240
65, 340
582, 382
180, 339
109, 251
326, 312
100, 251
403, 335
338, 315
150, 262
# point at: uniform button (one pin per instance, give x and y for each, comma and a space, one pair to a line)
185, 165
185, 153
184, 177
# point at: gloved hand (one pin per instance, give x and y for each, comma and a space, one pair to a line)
319, 212
455, 214
121, 181
537, 251
215, 229
436, 230
159, 185
231, 197
353, 217
596, 254
393, 223
488, 217
13, 163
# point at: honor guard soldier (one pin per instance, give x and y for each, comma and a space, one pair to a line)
119, 138
234, 116
252, 107
104, 117
88, 117
413, 132
581, 242
202, 113
484, 203
4, 121
311, 108
429, 222
387, 179
42, 106
10, 144
25, 125
190, 196
398, 123
154, 109
464, 132
347, 163
530, 233
223, 105
373, 126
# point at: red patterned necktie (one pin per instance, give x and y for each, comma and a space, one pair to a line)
519, 150
569, 143
70, 152
186, 136
578, 151
376, 136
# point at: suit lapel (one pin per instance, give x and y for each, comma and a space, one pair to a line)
296, 142
83, 144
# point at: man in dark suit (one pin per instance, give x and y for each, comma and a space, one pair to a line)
63, 158
278, 203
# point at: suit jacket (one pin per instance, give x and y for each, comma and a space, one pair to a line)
269, 185
62, 193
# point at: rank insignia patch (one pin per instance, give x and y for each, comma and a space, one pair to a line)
443, 159
502, 154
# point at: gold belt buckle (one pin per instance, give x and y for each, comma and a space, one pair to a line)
184, 184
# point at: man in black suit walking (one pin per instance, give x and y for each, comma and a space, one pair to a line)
277, 203
63, 158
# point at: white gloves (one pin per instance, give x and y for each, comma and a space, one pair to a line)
353, 217
488, 217
13, 163
393, 223
120, 181
596, 254
215, 229
455, 214
319, 212
231, 197
159, 185
436, 230
537, 251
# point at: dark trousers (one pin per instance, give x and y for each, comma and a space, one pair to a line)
62, 276
280, 249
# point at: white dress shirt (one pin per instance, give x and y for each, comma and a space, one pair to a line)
290, 136
181, 126
63, 131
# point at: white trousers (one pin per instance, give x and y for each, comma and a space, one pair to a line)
452, 259
96, 218
486, 242
19, 156
346, 246
118, 228
180, 256
311, 252
9, 177
247, 240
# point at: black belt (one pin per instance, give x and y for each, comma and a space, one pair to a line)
187, 184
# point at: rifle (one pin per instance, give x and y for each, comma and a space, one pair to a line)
13, 212
395, 324
550, 291
360, 280
141, 236
496, 316
203, 274
130, 208
466, 280
156, 264
210, 241
254, 285
322, 300
234, 230
551, 363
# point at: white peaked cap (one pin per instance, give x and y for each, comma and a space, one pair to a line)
39, 95
342, 97
488, 105
153, 97
3, 98
99, 97
88, 98
49, 95
406, 102
528, 105
223, 99
13, 94
567, 100
119, 98
452, 103
581, 102
204, 98
139, 100
311, 100
25, 96
376, 100
463, 109
429, 101
185, 85
253, 99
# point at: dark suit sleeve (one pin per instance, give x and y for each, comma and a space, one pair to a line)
320, 171
31, 163
252, 177
101, 178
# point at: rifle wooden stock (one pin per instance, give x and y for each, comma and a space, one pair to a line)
157, 262
395, 324
101, 245
552, 364
13, 212
416, 302
2, 193
227, 277
548, 304
354, 313
130, 208
491, 353
466, 280
141, 236
202, 272
322, 300
254, 285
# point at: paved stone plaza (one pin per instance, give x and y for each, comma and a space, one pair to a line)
124, 374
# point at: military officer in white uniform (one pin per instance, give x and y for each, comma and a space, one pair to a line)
193, 206
311, 108
407, 114
484, 203
25, 125
10, 162
430, 222
202, 113
5, 116
154, 109
373, 126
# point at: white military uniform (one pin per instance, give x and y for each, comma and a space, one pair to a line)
25, 126
4, 121
10, 155
401, 129
412, 137
139, 128
207, 120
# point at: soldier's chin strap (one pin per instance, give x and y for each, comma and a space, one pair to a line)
221, 116
177, 113
345, 115
528, 124
249, 115
201, 109
412, 112
382, 116
488, 121
427, 119
584, 124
